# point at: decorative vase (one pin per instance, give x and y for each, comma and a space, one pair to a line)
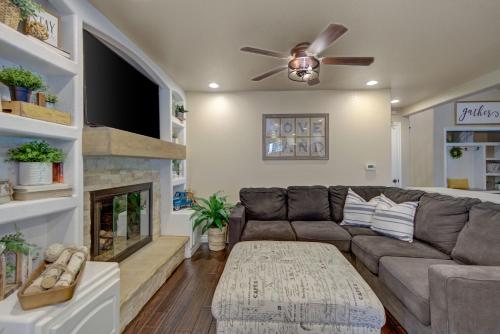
5, 192
497, 186
35, 173
50, 105
217, 239
20, 94
10, 14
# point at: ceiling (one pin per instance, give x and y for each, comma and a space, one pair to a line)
421, 47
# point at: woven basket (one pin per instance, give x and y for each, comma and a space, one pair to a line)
9, 14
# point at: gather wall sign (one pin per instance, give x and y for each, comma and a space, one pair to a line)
477, 112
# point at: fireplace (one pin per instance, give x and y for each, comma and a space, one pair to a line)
121, 221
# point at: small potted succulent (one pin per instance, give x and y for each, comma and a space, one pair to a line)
213, 215
35, 162
21, 83
13, 11
51, 100
180, 111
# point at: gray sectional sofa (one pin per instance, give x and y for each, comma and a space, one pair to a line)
446, 281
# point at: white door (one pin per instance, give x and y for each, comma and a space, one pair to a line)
396, 153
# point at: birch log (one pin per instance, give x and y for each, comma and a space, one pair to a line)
51, 274
74, 265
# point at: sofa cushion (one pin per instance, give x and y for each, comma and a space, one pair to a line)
408, 280
440, 218
356, 230
268, 230
394, 220
369, 250
399, 195
338, 194
357, 211
323, 231
264, 203
308, 203
479, 241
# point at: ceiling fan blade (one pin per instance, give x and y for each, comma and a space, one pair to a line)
326, 38
269, 73
313, 82
264, 52
362, 61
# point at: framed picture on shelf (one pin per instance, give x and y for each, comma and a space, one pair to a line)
51, 22
295, 137
477, 112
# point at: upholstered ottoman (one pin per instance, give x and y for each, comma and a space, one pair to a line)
293, 287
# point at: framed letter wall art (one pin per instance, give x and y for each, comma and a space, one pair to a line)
295, 137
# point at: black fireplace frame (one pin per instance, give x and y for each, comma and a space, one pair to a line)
94, 230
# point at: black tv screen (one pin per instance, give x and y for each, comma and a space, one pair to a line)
116, 94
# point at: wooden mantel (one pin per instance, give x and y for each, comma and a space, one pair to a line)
103, 141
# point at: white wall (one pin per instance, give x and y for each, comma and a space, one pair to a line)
421, 166
224, 150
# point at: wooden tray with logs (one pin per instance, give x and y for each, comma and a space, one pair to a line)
54, 281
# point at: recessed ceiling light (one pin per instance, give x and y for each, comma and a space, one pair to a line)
394, 101
213, 85
372, 83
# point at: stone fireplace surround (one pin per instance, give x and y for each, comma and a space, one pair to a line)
112, 172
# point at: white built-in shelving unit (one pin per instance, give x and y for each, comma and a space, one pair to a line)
48, 220
480, 154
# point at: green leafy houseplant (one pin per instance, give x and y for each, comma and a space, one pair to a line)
15, 242
27, 7
19, 77
21, 82
51, 98
36, 151
456, 152
211, 213
180, 111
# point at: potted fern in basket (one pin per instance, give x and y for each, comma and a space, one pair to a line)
13, 11
35, 162
213, 215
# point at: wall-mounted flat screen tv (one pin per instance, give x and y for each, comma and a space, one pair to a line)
117, 95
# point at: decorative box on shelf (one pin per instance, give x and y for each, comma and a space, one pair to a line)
35, 111
28, 193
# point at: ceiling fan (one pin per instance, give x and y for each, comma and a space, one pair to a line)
304, 59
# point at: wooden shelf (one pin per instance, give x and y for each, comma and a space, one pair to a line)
33, 54
13, 125
492, 174
103, 141
18, 210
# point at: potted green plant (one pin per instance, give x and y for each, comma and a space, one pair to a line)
35, 162
456, 152
212, 215
180, 111
13, 11
51, 100
21, 82
176, 167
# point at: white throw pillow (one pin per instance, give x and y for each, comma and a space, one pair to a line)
357, 211
394, 220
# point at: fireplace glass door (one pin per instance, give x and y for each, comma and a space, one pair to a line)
121, 221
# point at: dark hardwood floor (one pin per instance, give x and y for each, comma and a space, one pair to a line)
182, 304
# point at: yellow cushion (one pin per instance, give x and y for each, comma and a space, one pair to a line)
458, 183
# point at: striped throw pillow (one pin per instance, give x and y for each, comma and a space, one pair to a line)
394, 220
357, 211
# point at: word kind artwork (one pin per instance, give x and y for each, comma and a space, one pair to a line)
295, 137
477, 112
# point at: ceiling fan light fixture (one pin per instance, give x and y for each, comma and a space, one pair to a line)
303, 69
